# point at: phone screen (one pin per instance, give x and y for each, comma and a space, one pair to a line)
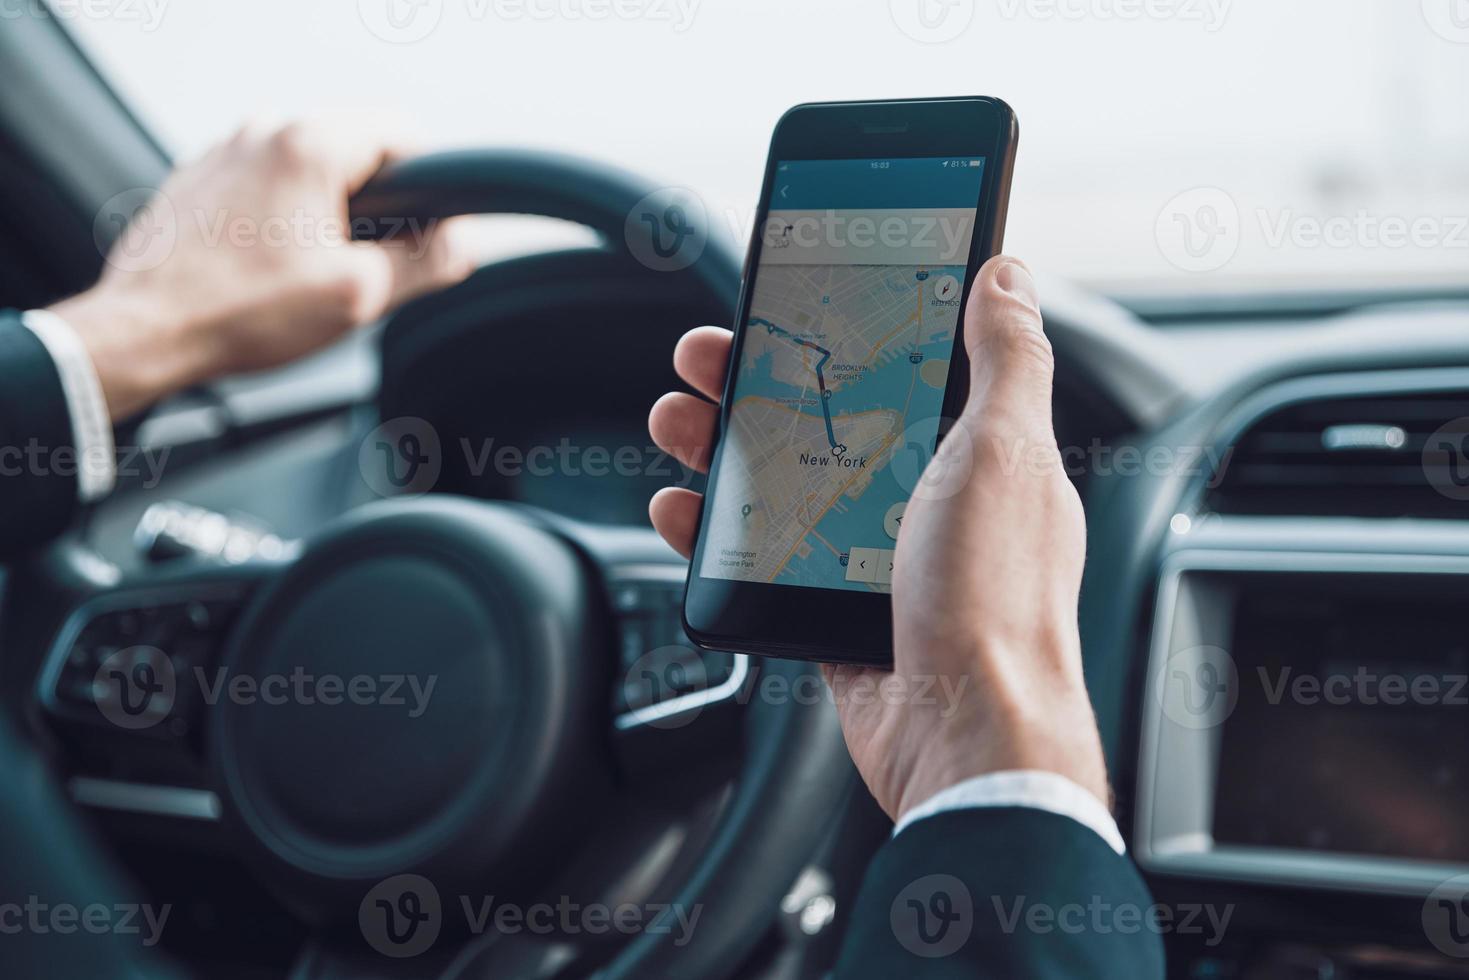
841, 372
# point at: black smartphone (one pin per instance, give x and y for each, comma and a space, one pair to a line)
847, 360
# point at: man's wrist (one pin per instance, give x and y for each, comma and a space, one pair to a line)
86, 408
142, 351
1028, 789
1061, 739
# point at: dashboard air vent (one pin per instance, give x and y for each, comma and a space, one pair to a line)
1360, 456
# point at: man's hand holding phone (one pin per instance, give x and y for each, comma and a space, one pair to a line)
986, 577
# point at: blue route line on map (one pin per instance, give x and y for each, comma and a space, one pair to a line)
836, 448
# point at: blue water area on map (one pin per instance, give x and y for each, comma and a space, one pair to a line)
886, 385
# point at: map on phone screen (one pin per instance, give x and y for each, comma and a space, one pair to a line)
842, 370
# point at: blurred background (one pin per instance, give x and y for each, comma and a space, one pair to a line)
1196, 146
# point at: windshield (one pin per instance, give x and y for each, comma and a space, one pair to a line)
1166, 145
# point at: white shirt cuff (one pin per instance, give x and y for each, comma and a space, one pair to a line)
91, 423
1031, 788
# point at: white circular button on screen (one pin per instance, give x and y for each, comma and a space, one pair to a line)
945, 289
892, 521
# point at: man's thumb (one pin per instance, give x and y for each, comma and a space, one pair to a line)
1010, 357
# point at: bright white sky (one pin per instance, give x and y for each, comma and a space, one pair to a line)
1330, 137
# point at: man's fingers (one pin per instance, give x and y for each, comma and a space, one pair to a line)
347, 154
683, 427
380, 276
1011, 362
427, 259
702, 359
675, 514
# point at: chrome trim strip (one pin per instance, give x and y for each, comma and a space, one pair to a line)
739, 673
163, 801
649, 572
739, 669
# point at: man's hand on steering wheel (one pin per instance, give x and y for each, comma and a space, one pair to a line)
244, 260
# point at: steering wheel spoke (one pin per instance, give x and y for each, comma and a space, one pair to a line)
125, 687
675, 708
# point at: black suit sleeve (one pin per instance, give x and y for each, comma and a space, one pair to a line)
1004, 893
38, 464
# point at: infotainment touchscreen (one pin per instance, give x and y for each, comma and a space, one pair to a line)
1353, 714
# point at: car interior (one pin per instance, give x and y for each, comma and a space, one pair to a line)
1274, 483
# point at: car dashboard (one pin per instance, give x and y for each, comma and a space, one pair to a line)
1270, 615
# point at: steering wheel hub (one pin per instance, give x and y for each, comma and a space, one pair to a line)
418, 693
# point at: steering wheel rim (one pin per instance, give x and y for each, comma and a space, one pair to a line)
795, 772
606, 199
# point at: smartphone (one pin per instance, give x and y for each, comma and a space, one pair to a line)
847, 359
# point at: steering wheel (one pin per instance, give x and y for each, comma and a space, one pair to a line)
521, 689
